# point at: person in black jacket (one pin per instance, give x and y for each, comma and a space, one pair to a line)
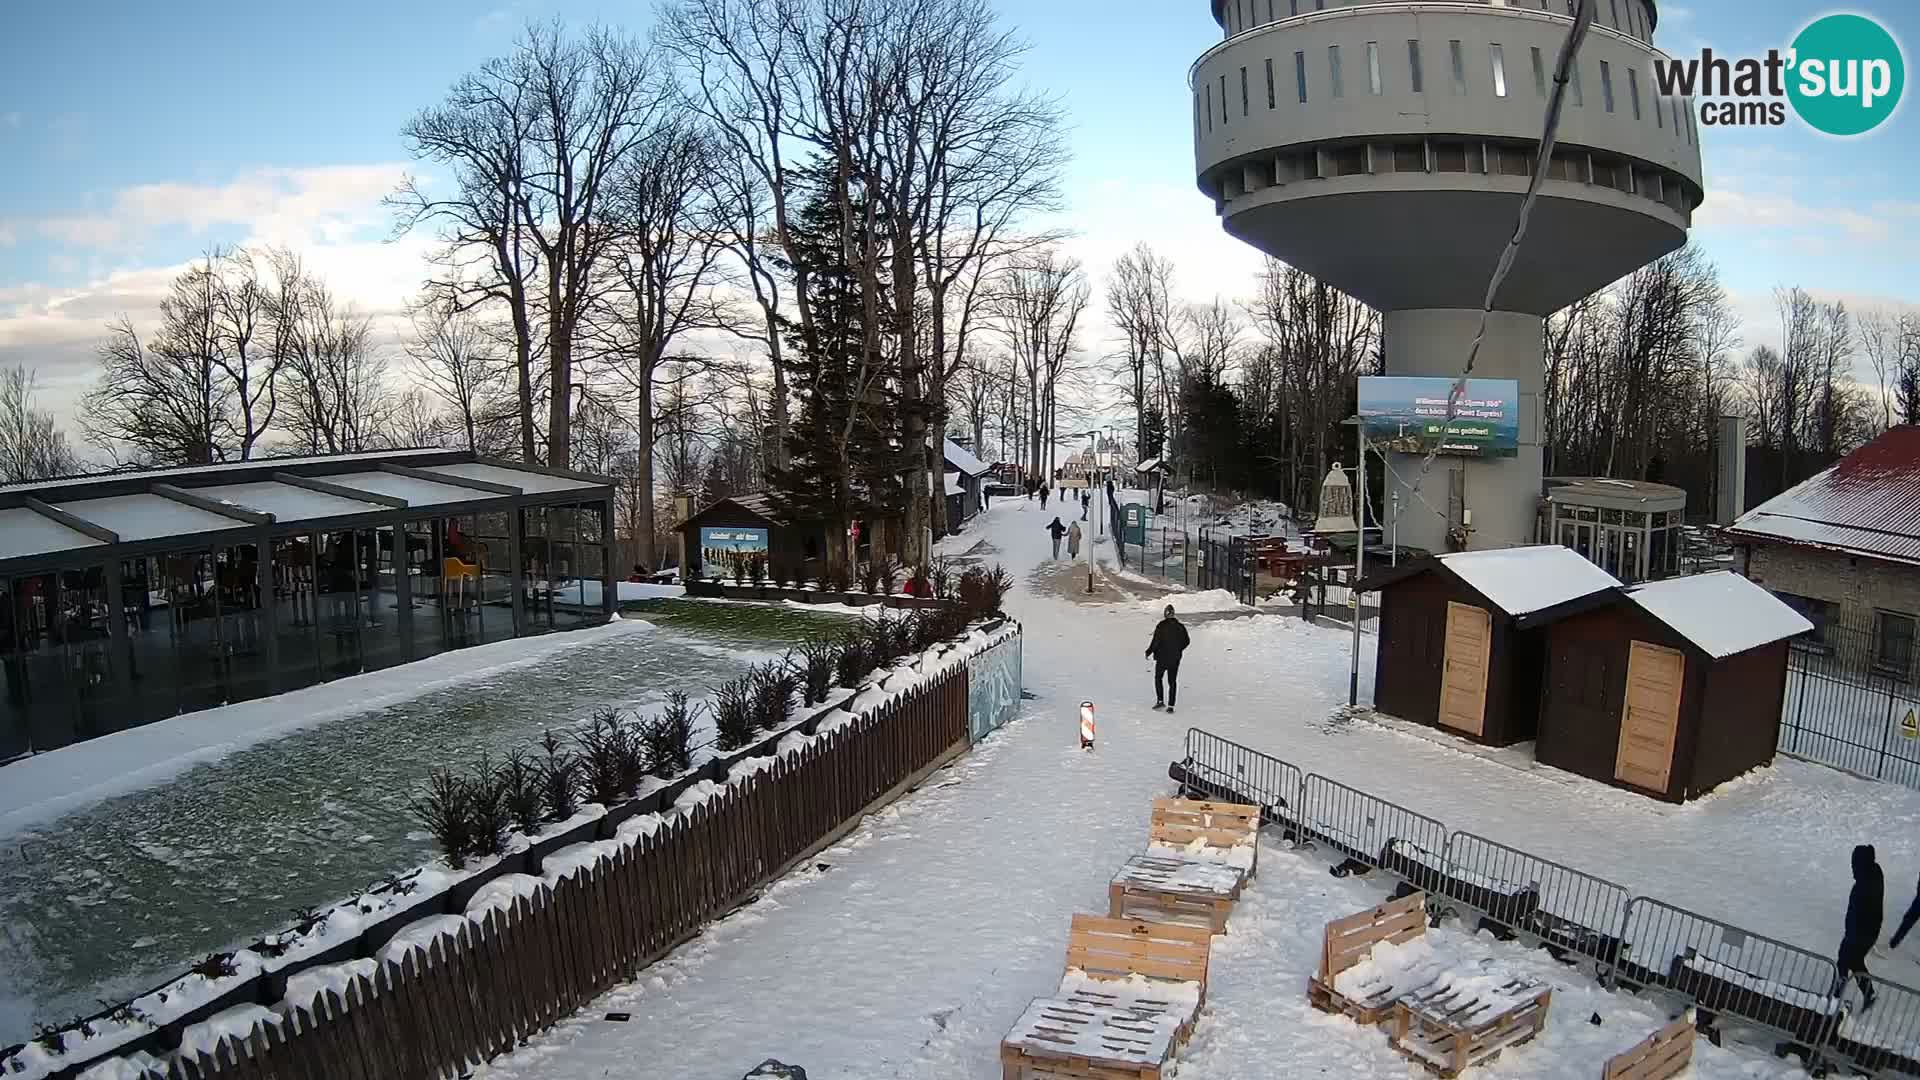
1058, 530
1169, 642
1865, 908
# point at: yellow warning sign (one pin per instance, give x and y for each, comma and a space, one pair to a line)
1910, 727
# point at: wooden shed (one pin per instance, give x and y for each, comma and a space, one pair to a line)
747, 525
1669, 689
1452, 653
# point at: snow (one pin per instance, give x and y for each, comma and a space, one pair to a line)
47, 785
314, 982
398, 457
1721, 612
420, 935
1767, 988
1136, 992
1181, 875
961, 458
954, 486
1527, 579
913, 945
24, 532
288, 503
1240, 856
235, 1023
149, 517
500, 894
535, 483
1193, 603
138, 1066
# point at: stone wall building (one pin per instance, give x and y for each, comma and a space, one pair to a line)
1843, 548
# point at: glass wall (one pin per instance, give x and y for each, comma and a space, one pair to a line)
1632, 545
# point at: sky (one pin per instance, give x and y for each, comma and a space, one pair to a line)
135, 135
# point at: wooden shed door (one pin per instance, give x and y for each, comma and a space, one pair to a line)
1651, 716
1463, 678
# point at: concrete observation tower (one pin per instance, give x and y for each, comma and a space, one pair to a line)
1384, 147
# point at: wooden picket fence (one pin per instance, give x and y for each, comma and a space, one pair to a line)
475, 995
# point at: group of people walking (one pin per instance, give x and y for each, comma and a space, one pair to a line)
1071, 533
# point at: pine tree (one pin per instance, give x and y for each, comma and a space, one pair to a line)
846, 457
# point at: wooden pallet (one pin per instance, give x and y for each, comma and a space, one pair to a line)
1665, 1053
1351, 940
1449, 1029
1056, 1039
1175, 890
1222, 825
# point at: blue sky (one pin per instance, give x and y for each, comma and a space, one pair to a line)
135, 138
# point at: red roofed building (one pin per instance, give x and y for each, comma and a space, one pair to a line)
1843, 548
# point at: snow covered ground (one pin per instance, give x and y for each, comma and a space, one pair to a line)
908, 949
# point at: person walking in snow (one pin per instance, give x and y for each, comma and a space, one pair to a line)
1073, 540
1169, 642
1058, 530
1865, 908
1044, 492
1086, 500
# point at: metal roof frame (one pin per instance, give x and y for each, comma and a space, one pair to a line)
310, 474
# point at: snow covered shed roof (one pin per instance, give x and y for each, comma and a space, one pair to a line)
1524, 580
1721, 613
1152, 464
960, 458
1867, 503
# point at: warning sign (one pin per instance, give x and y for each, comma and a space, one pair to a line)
1910, 727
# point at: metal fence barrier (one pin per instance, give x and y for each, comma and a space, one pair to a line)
1728, 972
1725, 969
1237, 773
1368, 829
1570, 911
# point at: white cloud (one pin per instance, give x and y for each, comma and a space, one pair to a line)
276, 205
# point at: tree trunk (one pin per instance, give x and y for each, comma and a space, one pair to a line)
560, 384
643, 468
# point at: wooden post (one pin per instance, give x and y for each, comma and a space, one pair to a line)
609, 559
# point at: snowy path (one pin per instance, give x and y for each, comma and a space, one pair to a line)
910, 947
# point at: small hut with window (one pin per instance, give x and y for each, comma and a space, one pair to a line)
1629, 528
1454, 651
1670, 688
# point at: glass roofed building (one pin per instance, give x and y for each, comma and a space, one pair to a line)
131, 597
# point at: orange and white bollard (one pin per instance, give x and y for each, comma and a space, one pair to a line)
1086, 725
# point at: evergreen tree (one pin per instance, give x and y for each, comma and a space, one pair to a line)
846, 458
1153, 432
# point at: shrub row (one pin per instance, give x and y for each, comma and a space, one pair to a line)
470, 813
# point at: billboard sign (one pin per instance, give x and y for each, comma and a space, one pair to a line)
1406, 414
723, 547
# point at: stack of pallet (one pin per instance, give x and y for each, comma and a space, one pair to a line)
1137, 977
1377, 967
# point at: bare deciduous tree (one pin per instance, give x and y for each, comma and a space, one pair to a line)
535, 140
31, 446
453, 352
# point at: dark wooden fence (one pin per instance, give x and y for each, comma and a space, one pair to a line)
472, 996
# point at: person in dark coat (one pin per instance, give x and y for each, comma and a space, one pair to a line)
1169, 642
1866, 906
1058, 530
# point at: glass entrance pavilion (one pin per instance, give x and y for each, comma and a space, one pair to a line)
130, 597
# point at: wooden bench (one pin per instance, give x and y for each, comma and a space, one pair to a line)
1453, 1025
1128, 999
1226, 832
1188, 892
1351, 941
1665, 1053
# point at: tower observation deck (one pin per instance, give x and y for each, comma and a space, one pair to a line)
1384, 147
